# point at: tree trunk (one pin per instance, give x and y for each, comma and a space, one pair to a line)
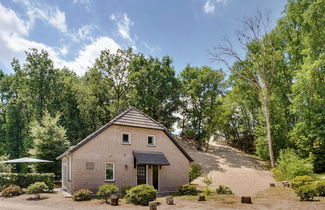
265, 99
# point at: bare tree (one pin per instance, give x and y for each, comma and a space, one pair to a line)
258, 66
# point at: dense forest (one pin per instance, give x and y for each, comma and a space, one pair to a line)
270, 99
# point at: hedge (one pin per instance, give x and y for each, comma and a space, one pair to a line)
24, 180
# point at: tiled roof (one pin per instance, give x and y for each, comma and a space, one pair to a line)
135, 118
130, 117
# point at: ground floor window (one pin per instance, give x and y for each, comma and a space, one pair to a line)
109, 172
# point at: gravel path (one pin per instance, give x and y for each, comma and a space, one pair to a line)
244, 174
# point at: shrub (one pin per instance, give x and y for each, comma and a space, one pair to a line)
141, 194
11, 191
82, 195
36, 188
300, 181
24, 180
194, 171
320, 187
106, 190
124, 190
222, 189
306, 192
188, 189
290, 165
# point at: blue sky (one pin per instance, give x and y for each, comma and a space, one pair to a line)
74, 32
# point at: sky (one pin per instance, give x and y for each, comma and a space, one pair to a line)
74, 32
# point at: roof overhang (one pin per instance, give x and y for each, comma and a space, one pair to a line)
150, 158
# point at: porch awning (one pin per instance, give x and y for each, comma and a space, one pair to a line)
150, 158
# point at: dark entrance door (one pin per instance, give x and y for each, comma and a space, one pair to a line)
155, 177
141, 174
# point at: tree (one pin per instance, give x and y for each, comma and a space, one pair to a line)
114, 68
304, 27
154, 88
49, 142
259, 65
201, 88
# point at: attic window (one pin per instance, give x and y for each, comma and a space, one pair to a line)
151, 141
126, 138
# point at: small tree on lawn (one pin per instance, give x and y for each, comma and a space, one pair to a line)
50, 141
207, 181
106, 190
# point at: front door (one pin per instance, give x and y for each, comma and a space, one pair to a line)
141, 174
155, 177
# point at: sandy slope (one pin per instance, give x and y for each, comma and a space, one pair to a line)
245, 175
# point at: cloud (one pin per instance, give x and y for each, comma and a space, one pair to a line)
210, 5
88, 54
124, 24
14, 42
40, 11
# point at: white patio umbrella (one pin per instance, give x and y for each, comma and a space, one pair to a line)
27, 160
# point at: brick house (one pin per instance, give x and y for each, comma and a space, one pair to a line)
131, 149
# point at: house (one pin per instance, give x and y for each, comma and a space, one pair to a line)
130, 150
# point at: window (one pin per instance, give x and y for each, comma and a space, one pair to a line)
109, 172
126, 138
151, 141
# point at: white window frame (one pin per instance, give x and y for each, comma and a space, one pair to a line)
69, 168
154, 141
129, 134
110, 180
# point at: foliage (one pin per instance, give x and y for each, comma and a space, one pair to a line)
82, 195
50, 141
194, 171
124, 190
24, 180
188, 189
141, 194
201, 90
222, 189
306, 192
11, 191
290, 165
36, 188
300, 181
106, 190
154, 88
320, 187
207, 181
4, 168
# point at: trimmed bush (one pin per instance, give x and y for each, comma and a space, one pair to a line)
141, 194
300, 181
11, 191
24, 180
222, 189
290, 165
106, 190
188, 189
82, 195
194, 171
124, 190
36, 189
320, 187
306, 192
